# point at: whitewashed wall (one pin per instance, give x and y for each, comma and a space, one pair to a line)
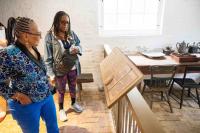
181, 22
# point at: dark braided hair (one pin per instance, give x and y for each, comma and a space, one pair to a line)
10, 34
22, 25
15, 26
56, 22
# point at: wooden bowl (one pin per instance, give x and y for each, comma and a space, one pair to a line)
3, 108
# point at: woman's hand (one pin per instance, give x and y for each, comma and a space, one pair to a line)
22, 98
52, 81
74, 49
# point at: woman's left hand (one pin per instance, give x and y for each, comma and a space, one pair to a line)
22, 98
74, 50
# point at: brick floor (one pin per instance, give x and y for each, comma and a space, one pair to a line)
185, 120
96, 118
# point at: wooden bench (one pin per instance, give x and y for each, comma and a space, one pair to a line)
83, 78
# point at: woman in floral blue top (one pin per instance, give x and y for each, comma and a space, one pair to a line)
28, 94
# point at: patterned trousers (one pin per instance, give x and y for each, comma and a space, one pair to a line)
61, 82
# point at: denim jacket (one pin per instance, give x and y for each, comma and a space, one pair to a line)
25, 73
53, 53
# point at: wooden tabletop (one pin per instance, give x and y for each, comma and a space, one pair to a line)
140, 60
143, 63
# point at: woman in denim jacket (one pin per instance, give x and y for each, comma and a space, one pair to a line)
28, 94
62, 47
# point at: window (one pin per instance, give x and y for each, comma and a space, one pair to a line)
131, 17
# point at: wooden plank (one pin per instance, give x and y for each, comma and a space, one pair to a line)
119, 75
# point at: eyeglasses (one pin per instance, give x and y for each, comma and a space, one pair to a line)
35, 34
64, 22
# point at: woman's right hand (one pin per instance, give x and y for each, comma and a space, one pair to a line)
22, 98
52, 81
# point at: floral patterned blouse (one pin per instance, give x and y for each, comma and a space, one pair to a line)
21, 72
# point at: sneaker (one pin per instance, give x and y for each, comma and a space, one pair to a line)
63, 116
77, 108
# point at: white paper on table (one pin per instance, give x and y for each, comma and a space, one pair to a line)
153, 54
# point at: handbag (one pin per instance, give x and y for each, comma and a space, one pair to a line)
66, 63
53, 90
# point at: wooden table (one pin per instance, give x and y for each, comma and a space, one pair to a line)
143, 63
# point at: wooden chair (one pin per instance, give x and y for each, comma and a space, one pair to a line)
159, 83
188, 83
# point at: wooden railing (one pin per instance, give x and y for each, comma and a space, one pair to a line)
131, 114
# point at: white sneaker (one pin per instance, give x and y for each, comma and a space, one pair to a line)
77, 108
63, 116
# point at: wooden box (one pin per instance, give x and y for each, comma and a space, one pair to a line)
184, 58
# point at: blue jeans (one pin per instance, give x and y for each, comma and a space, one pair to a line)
28, 116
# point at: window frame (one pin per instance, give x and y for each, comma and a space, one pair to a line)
113, 33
